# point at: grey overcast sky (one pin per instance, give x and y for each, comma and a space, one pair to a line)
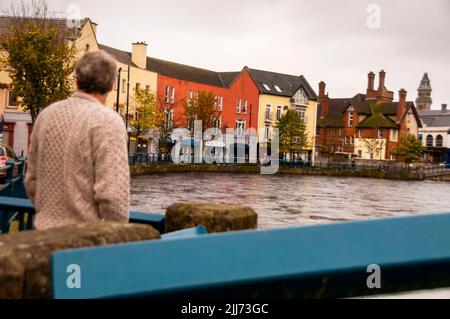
327, 40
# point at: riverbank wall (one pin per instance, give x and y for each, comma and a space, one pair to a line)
140, 170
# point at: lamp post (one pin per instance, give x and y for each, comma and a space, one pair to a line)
118, 89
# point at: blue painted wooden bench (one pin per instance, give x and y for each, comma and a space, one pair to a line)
316, 261
22, 210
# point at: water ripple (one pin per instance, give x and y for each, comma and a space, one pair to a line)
283, 201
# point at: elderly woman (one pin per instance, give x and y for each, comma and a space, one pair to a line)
77, 169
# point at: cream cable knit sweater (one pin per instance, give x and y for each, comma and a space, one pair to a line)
77, 166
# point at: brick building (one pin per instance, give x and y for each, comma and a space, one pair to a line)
366, 126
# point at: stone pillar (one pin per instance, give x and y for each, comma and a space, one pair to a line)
25, 270
215, 217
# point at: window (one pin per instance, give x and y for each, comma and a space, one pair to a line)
124, 84
279, 108
240, 127
238, 106
302, 113
420, 137
317, 130
147, 88
359, 153
300, 98
380, 133
266, 87
429, 141
170, 94
278, 89
439, 141
219, 102
350, 119
268, 111
346, 140
12, 99
138, 87
87, 47
394, 135
244, 106
169, 119
359, 133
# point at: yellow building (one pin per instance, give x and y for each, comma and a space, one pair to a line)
279, 93
18, 125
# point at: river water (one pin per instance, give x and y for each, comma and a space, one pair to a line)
292, 200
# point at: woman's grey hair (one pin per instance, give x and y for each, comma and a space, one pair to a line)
95, 72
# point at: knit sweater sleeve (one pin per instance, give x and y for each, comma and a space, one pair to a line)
112, 174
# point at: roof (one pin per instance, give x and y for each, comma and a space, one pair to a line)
288, 84
121, 56
228, 77
378, 115
185, 72
378, 118
436, 118
174, 70
6, 21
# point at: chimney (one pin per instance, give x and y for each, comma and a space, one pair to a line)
324, 105
370, 82
444, 107
401, 104
139, 54
322, 86
382, 78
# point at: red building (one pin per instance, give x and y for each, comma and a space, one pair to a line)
236, 93
366, 126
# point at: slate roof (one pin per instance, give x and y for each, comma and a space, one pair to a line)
289, 84
436, 118
121, 56
184, 72
172, 69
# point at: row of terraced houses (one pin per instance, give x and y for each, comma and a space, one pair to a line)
367, 125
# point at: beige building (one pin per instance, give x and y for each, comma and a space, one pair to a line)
279, 93
17, 123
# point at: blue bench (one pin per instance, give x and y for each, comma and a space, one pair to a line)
157, 221
15, 208
22, 209
316, 261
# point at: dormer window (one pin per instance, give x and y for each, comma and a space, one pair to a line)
266, 87
300, 98
278, 88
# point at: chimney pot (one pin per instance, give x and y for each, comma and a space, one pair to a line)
382, 76
322, 87
370, 82
444, 107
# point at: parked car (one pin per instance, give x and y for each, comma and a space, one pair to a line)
7, 153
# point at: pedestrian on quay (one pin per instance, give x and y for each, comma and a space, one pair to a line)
77, 168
